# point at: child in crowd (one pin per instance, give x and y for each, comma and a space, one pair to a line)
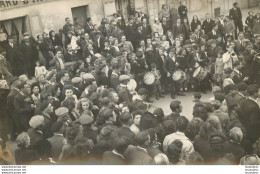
219, 69
39, 69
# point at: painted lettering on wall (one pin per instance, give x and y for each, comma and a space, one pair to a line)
12, 4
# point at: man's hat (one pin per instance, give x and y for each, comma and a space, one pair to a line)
85, 119
61, 111
76, 80
124, 77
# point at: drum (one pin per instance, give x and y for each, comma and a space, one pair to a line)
179, 76
132, 85
149, 78
200, 73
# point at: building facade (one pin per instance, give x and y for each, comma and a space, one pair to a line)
36, 16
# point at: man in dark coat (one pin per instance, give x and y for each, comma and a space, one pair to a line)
182, 10
250, 116
47, 111
22, 106
57, 140
138, 154
116, 156
67, 26
146, 28
208, 24
14, 58
123, 93
124, 130
14, 82
173, 16
178, 28
236, 15
176, 109
28, 56
45, 50
138, 36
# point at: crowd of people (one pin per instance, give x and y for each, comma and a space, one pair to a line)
84, 95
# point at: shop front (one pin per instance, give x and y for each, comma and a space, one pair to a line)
37, 16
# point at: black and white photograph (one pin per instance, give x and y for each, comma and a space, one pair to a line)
130, 82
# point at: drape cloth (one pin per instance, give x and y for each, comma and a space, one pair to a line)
8, 26
18, 22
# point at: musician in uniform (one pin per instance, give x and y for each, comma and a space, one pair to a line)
171, 66
156, 84
122, 90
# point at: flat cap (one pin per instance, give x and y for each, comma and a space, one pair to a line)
85, 119
61, 111
36, 121
124, 77
88, 76
76, 80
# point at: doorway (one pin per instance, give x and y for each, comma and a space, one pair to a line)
15, 27
81, 13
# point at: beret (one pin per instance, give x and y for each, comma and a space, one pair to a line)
88, 76
61, 111
139, 54
124, 77
76, 80
36, 121
175, 104
241, 86
85, 119
215, 103
56, 126
98, 55
211, 41
217, 138
23, 77
228, 70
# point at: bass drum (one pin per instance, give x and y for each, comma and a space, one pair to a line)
200, 73
149, 78
179, 76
